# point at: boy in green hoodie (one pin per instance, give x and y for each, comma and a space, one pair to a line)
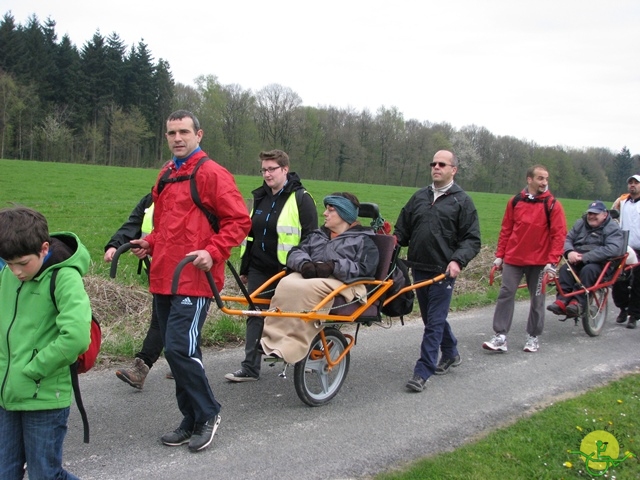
38, 341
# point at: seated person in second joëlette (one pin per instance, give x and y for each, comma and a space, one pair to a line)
592, 241
341, 251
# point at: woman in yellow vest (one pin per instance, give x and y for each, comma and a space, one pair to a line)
283, 214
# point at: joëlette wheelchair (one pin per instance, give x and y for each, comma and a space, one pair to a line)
319, 376
597, 297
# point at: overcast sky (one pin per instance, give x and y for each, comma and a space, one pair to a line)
556, 72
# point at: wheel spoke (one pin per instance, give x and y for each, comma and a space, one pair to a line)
314, 382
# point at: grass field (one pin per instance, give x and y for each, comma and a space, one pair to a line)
93, 201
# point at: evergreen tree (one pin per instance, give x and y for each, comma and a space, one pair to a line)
10, 43
96, 89
623, 169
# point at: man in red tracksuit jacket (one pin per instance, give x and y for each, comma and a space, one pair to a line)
531, 241
180, 229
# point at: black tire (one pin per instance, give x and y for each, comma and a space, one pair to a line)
315, 384
595, 315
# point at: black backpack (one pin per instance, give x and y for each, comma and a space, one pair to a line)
403, 304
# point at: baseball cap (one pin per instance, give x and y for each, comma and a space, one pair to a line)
596, 207
635, 177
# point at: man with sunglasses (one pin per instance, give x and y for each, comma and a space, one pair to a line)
283, 214
530, 243
440, 226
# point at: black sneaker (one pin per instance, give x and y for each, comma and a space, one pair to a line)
446, 363
179, 436
632, 322
574, 309
557, 308
203, 434
416, 383
240, 376
622, 316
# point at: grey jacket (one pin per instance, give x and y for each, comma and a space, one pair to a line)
597, 245
353, 252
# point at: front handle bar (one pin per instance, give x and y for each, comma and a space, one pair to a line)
116, 256
176, 280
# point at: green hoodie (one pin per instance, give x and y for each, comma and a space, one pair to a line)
38, 342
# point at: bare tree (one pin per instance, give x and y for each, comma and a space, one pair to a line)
275, 115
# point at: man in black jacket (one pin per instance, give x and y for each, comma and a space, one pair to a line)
137, 226
440, 226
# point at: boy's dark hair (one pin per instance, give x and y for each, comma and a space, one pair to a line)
22, 232
276, 155
180, 114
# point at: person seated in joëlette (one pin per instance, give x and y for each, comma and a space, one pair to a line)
339, 252
594, 239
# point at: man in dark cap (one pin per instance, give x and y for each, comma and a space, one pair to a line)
593, 239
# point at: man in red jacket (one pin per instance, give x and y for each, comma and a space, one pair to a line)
531, 241
180, 229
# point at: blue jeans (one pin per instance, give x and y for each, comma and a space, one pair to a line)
34, 438
434, 302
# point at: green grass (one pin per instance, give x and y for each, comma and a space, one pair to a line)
539, 446
93, 201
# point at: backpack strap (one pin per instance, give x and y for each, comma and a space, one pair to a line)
195, 196
73, 367
549, 203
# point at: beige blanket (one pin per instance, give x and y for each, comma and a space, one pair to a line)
291, 337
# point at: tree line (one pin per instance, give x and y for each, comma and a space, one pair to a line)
106, 103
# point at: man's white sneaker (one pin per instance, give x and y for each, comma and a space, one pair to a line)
497, 344
532, 344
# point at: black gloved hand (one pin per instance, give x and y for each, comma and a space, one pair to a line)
308, 270
324, 269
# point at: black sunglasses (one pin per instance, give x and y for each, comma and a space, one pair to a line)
440, 164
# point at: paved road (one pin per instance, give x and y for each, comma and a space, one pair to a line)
373, 424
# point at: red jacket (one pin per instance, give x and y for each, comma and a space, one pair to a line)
180, 227
527, 236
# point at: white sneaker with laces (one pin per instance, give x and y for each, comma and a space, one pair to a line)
497, 344
532, 344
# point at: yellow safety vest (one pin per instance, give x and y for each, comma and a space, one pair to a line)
147, 221
288, 228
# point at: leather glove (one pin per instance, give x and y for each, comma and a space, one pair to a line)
324, 269
550, 270
308, 270
497, 263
